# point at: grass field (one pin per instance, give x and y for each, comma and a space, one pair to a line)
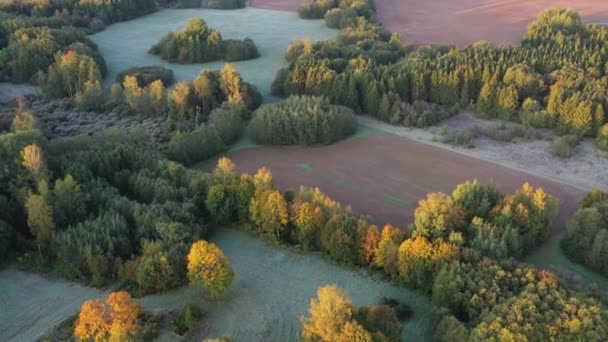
272, 289
126, 44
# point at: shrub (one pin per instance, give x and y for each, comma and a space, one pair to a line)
602, 138
190, 315
147, 74
239, 50
339, 18
564, 146
302, 120
316, 9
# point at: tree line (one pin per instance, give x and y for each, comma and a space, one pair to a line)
556, 78
461, 250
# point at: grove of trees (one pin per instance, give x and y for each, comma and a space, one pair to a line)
302, 120
556, 78
586, 238
198, 43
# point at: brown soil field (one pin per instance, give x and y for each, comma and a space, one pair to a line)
384, 175
462, 22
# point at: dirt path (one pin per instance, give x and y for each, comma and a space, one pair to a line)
385, 175
462, 22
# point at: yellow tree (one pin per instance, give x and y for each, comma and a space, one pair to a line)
93, 321
230, 83
156, 90
208, 265
123, 315
32, 158
40, 219
180, 96
386, 256
114, 320
354, 332
329, 313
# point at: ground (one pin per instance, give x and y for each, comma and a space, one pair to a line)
462, 22
271, 291
9, 91
31, 305
124, 45
384, 175
584, 170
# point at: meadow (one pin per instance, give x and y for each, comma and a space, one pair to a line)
124, 45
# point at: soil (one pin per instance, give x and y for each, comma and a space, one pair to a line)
462, 22
584, 170
384, 175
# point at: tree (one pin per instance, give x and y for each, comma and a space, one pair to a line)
40, 219
207, 265
386, 256
420, 259
24, 121
369, 245
33, 160
69, 202
269, 213
437, 216
221, 204
329, 313
231, 83
180, 96
115, 319
308, 218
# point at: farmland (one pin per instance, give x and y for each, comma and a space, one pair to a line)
384, 176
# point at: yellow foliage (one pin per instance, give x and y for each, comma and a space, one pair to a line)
32, 158
208, 265
329, 313
115, 319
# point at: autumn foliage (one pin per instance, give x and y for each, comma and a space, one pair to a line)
114, 319
208, 266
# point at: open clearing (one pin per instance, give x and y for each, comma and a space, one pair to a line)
126, 44
31, 305
462, 22
10, 91
271, 291
384, 175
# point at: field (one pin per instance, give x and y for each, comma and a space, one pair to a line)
462, 22
126, 44
31, 305
384, 176
272, 290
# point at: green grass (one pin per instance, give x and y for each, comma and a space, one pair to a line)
550, 253
126, 44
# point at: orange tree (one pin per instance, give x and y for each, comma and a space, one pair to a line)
208, 265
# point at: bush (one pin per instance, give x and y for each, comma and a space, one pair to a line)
191, 314
302, 120
316, 9
564, 146
239, 50
602, 138
339, 18
147, 74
